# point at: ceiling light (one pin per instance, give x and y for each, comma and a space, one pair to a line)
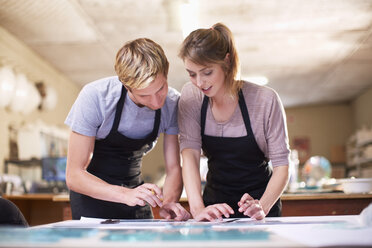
189, 20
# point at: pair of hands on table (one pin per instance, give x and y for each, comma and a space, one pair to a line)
152, 194
247, 205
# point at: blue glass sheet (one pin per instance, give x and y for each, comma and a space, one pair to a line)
187, 234
55, 235
42, 235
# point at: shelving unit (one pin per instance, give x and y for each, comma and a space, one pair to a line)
21, 163
359, 154
37, 182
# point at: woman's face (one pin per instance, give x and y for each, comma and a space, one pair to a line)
209, 78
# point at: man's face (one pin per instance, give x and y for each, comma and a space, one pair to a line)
153, 96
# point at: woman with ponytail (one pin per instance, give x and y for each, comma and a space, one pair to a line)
239, 126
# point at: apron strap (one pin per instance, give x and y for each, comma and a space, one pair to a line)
245, 114
156, 124
243, 109
119, 109
203, 114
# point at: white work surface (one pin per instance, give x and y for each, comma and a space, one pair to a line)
326, 231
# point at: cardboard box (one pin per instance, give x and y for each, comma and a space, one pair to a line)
338, 154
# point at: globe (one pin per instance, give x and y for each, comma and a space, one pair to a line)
317, 168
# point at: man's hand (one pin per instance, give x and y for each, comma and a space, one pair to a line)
174, 211
145, 193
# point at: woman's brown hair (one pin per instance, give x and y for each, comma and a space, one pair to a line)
214, 46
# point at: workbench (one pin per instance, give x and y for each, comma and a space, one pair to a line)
318, 231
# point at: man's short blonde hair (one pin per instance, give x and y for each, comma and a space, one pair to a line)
139, 61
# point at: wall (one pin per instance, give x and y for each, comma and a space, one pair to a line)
362, 110
326, 126
153, 166
15, 53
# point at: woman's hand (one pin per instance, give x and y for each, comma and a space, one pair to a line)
214, 212
145, 193
251, 207
174, 211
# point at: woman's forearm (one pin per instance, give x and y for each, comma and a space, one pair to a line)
275, 187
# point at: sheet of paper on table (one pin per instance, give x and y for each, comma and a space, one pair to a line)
140, 223
161, 223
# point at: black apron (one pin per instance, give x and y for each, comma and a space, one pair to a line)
117, 160
236, 165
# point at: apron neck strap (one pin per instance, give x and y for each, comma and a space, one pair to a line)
119, 108
243, 109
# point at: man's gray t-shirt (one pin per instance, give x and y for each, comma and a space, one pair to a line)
93, 112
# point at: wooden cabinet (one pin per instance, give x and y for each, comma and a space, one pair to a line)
324, 204
40, 209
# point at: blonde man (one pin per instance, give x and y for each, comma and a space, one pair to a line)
118, 120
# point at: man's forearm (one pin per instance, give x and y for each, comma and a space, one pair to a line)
172, 188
